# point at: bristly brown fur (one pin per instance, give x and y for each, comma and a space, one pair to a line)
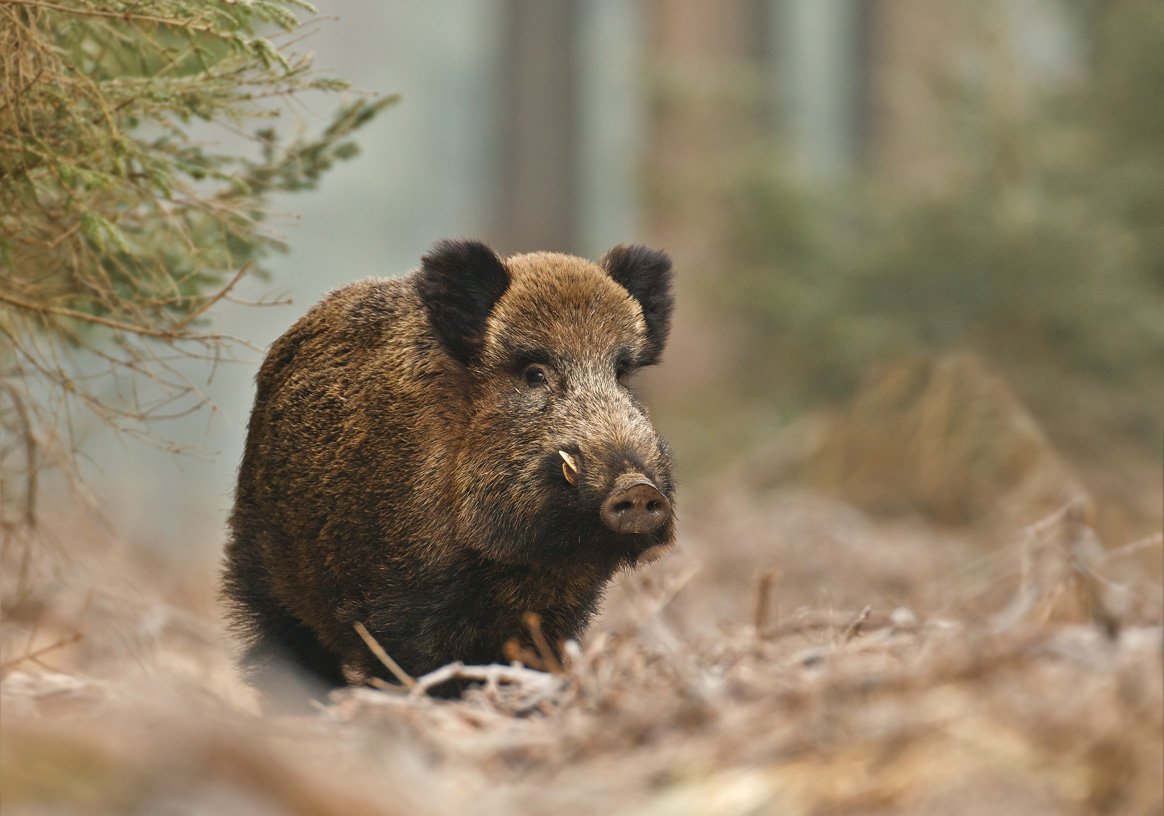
402, 466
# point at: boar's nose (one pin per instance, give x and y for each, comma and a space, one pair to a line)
635, 506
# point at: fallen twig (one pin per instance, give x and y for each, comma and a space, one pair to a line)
854, 628
534, 621
492, 674
1156, 540
400, 674
763, 595
60, 644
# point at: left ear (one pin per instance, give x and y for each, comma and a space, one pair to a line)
646, 274
459, 283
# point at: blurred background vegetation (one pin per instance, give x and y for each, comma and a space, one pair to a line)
121, 225
1000, 194
919, 243
1041, 247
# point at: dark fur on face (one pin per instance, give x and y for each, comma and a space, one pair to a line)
403, 466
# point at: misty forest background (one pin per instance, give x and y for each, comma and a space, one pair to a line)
857, 196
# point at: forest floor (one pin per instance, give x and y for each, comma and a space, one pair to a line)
793, 656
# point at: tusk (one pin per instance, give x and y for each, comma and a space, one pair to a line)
569, 467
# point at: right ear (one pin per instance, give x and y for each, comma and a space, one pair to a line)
459, 283
646, 274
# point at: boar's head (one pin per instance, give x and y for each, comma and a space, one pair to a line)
559, 461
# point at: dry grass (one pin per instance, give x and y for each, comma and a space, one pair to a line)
880, 669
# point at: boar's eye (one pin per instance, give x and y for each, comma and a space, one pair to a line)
535, 376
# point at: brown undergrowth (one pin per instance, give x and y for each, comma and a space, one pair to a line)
792, 657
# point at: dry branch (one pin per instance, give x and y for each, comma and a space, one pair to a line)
400, 674
763, 597
34, 656
854, 628
118, 232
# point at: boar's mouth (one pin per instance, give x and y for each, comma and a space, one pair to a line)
594, 515
569, 508
633, 505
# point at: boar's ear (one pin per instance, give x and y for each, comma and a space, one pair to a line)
459, 283
646, 274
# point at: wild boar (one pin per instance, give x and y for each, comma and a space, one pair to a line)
436, 455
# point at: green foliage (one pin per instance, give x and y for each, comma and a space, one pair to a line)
121, 221
1044, 252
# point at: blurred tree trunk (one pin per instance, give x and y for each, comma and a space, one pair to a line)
701, 54
911, 51
539, 154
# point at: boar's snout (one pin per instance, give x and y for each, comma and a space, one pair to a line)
635, 505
